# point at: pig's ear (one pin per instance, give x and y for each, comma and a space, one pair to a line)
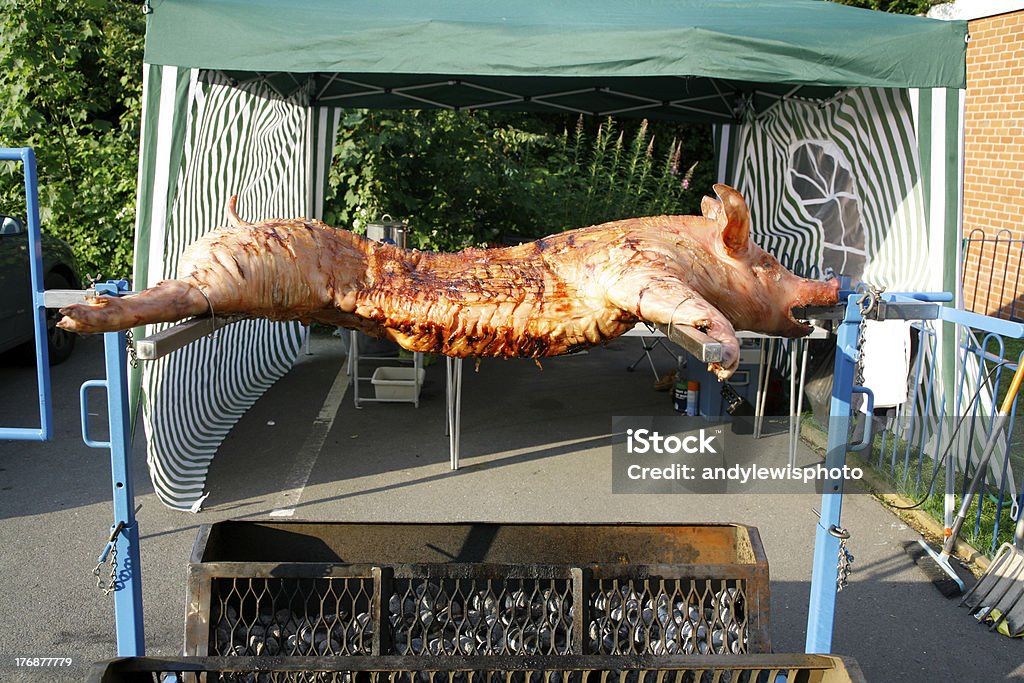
736, 230
712, 209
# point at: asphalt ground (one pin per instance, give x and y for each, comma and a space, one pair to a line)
535, 448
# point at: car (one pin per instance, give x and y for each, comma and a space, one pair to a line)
60, 271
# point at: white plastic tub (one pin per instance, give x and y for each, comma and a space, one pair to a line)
396, 383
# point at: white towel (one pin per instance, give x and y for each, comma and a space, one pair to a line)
886, 361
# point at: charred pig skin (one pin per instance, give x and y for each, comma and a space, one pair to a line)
544, 298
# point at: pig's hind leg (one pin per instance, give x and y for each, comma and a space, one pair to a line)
168, 301
669, 301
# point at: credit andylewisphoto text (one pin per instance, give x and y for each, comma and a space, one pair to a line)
676, 454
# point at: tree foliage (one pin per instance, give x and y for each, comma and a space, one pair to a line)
478, 178
70, 87
893, 6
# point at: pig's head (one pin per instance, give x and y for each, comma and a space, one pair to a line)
763, 292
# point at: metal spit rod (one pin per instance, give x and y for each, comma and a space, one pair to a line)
700, 345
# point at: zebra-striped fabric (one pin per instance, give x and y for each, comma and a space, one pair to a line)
211, 140
837, 187
869, 186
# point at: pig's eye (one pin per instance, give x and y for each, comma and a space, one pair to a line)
767, 265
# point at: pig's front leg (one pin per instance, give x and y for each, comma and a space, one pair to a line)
666, 300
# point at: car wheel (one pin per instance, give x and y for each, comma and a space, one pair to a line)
60, 343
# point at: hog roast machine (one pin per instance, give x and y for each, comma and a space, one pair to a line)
121, 552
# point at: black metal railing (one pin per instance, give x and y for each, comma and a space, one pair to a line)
991, 273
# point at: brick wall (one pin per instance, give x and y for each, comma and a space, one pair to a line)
994, 163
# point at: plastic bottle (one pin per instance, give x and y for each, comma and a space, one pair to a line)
679, 393
692, 397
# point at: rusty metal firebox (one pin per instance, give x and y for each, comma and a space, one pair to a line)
481, 589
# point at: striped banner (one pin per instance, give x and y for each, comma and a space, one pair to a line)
205, 139
324, 123
167, 92
939, 115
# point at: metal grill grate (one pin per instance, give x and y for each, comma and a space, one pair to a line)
754, 675
724, 669
660, 616
484, 616
476, 590
291, 616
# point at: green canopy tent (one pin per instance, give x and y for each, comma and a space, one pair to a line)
832, 120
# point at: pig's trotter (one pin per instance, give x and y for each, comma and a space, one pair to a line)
673, 302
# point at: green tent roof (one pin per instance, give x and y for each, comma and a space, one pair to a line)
672, 58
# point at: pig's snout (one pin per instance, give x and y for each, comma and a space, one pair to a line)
809, 293
816, 293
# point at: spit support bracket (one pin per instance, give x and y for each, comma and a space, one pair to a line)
59, 298
700, 345
886, 309
184, 333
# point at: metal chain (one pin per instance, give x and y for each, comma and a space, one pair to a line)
844, 567
868, 303
109, 554
107, 588
133, 358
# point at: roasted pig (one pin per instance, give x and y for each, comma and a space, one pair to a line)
545, 298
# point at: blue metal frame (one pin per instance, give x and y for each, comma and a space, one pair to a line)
1004, 328
996, 331
821, 610
35, 253
822, 606
124, 530
127, 586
